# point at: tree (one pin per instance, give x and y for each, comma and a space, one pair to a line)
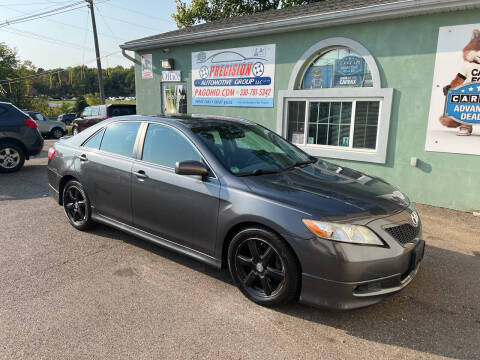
80, 104
210, 10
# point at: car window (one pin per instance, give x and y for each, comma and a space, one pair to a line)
121, 110
94, 141
119, 138
165, 146
87, 111
37, 116
95, 111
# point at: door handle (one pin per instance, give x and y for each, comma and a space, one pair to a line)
140, 174
83, 157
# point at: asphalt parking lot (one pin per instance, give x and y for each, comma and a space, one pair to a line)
104, 294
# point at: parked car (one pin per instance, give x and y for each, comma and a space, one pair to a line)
92, 115
232, 192
19, 138
48, 128
67, 118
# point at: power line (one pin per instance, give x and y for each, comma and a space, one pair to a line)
19, 79
137, 12
130, 23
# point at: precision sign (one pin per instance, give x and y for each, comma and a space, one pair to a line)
463, 103
234, 77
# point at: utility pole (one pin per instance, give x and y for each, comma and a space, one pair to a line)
97, 54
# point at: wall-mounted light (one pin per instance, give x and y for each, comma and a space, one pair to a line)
167, 64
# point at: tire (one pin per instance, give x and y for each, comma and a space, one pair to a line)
77, 206
56, 133
75, 130
12, 157
264, 267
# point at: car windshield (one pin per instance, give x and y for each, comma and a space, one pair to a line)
248, 149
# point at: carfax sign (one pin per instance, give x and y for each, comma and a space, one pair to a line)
349, 71
463, 103
234, 77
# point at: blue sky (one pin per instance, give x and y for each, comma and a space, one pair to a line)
66, 39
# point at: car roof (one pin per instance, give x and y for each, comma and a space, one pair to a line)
189, 121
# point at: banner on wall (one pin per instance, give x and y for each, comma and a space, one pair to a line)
454, 118
147, 66
234, 77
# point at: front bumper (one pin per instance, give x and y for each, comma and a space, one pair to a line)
348, 276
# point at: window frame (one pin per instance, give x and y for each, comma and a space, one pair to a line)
295, 92
141, 144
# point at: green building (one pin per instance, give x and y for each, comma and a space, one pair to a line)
360, 82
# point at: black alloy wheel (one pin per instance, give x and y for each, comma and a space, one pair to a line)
264, 267
77, 206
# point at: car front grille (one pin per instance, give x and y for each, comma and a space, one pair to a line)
404, 233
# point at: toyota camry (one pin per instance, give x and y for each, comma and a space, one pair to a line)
229, 192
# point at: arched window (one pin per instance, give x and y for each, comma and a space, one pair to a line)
335, 105
337, 67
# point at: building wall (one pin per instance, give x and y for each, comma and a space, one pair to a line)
404, 50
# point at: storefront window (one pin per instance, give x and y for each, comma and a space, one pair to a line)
335, 105
336, 68
174, 98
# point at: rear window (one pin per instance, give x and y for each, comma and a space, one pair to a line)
121, 110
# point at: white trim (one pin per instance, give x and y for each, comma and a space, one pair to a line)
383, 95
394, 9
314, 50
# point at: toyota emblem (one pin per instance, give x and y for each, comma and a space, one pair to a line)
414, 216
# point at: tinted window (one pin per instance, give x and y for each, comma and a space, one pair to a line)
37, 116
87, 111
120, 138
121, 110
165, 146
94, 141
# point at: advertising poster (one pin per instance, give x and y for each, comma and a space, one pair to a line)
318, 77
147, 66
234, 77
174, 98
349, 71
454, 119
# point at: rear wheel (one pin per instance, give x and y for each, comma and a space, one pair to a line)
77, 206
264, 267
12, 157
56, 133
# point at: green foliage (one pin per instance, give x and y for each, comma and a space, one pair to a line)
93, 99
199, 11
80, 104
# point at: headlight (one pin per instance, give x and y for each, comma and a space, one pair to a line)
354, 234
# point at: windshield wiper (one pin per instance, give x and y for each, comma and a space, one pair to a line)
257, 172
300, 164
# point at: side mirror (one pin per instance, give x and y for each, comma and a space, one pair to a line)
190, 167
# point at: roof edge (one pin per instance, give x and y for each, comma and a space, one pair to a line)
364, 14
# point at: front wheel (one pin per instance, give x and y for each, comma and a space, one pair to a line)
56, 133
77, 206
75, 131
264, 267
12, 157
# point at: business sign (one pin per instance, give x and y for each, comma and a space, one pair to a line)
171, 75
234, 77
463, 104
318, 77
147, 66
349, 71
455, 94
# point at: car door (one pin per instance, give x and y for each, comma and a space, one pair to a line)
106, 169
179, 208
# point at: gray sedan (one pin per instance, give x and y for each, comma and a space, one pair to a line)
49, 128
229, 192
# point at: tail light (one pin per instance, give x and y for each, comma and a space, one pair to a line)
51, 153
30, 123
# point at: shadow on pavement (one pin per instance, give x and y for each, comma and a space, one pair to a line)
30, 182
438, 313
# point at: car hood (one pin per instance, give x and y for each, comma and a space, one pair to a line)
330, 192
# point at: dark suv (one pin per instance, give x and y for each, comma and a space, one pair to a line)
67, 118
92, 115
19, 138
